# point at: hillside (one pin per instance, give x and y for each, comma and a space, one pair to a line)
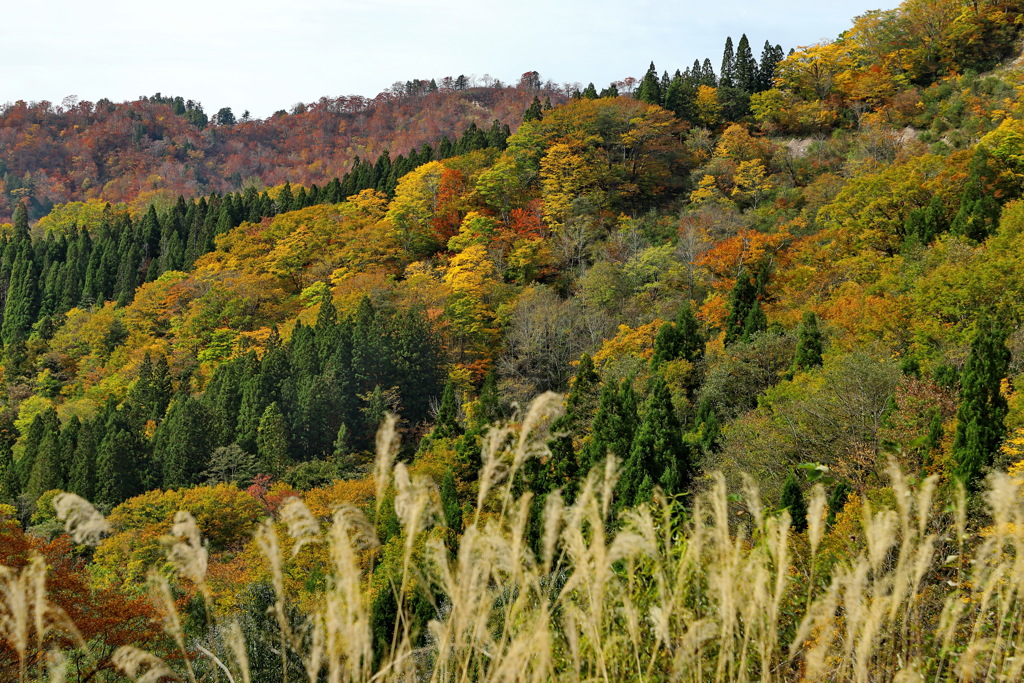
160, 147
714, 370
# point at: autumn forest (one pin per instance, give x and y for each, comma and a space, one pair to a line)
705, 374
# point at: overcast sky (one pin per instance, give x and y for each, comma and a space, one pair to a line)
265, 55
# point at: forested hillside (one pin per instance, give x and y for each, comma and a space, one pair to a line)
709, 374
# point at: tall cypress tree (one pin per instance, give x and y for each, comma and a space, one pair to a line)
980, 427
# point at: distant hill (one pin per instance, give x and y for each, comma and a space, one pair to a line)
167, 146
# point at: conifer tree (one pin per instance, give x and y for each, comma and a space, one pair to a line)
755, 323
742, 300
658, 456
746, 66
614, 425
446, 424
590, 92
450, 504
533, 112
44, 425
650, 87
182, 443
8, 475
727, 75
983, 408
45, 475
82, 474
116, 478
809, 345
272, 442
793, 500
23, 296
836, 501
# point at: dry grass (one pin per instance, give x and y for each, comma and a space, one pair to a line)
653, 595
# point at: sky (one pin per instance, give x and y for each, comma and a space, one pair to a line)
266, 55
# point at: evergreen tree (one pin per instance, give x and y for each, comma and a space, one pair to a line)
119, 459
650, 87
22, 305
836, 502
809, 345
681, 339
446, 424
755, 323
658, 456
746, 67
741, 302
182, 443
614, 425
727, 76
8, 475
983, 407
979, 211
82, 475
770, 58
590, 92
44, 426
45, 475
533, 112
793, 500
272, 443
450, 504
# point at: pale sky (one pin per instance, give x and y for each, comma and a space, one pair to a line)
265, 55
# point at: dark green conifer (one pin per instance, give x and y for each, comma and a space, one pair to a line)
82, 475
446, 424
657, 452
727, 76
650, 87
983, 408
182, 443
272, 442
793, 500
809, 345
533, 112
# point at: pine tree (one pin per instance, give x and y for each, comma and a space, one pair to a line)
793, 500
590, 92
809, 345
755, 323
119, 459
983, 408
44, 426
